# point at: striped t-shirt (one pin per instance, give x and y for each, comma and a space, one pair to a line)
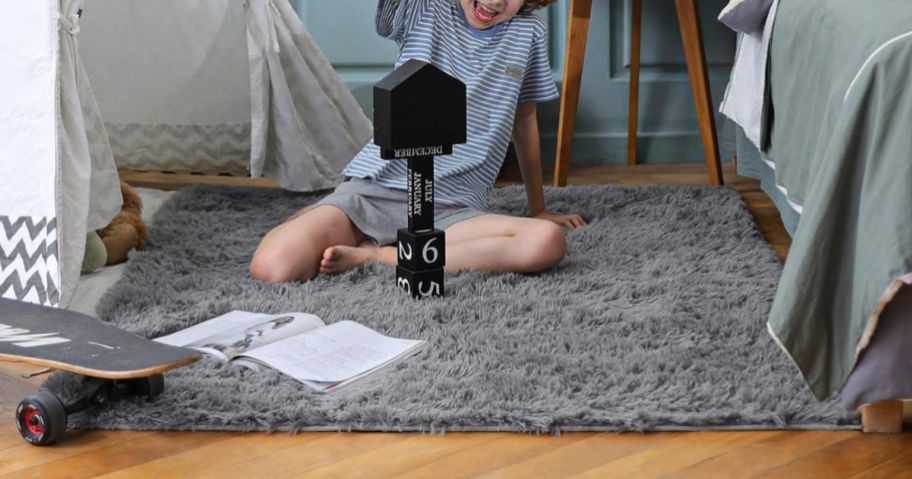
501, 67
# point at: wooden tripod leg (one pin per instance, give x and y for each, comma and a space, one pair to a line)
577, 35
636, 29
691, 33
883, 417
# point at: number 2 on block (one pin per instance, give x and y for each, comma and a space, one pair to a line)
405, 251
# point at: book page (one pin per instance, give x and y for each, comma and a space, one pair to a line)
339, 352
236, 332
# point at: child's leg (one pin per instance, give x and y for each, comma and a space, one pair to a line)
502, 243
293, 250
495, 243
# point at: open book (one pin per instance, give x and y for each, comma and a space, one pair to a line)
299, 345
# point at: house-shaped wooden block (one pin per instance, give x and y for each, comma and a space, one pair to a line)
419, 111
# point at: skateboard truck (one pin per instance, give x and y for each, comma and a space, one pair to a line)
42, 418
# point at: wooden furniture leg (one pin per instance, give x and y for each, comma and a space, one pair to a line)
636, 37
883, 417
577, 35
691, 33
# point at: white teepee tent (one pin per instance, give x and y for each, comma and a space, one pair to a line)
178, 84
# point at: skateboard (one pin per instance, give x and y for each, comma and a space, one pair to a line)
113, 363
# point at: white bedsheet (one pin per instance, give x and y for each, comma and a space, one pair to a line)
746, 92
92, 287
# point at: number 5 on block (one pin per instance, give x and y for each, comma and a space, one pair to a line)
420, 284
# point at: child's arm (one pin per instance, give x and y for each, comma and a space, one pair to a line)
528, 150
395, 18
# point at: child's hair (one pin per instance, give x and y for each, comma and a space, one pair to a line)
536, 4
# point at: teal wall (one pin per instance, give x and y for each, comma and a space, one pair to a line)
668, 127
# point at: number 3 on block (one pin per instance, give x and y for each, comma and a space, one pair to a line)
404, 284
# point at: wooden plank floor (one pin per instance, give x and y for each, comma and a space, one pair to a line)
697, 454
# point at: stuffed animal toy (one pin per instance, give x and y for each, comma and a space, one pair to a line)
127, 231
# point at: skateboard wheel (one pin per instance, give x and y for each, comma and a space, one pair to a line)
41, 419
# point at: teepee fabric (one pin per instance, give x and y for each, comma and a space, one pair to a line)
59, 179
306, 124
89, 85
171, 77
220, 85
28, 151
89, 188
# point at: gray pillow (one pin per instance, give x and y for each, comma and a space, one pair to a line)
747, 16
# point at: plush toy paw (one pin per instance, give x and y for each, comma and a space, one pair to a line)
96, 254
120, 238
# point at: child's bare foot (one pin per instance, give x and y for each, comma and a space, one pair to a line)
339, 259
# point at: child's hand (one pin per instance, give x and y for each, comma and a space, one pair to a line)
570, 221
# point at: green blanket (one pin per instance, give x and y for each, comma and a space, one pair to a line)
840, 135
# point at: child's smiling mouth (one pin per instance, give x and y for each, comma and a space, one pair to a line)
483, 13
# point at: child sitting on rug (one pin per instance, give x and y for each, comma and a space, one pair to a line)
500, 50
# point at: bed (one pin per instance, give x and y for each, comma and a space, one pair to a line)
822, 98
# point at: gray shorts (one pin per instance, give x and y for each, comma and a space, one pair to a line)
379, 211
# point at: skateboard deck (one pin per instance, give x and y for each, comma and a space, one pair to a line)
78, 343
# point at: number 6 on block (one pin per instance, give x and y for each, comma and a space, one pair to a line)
430, 246
429, 252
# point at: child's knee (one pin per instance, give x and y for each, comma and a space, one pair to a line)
548, 246
555, 243
274, 266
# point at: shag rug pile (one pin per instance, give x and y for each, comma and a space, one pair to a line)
656, 320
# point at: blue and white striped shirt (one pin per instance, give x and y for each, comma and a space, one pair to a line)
501, 67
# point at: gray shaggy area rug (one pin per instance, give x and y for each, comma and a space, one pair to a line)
656, 320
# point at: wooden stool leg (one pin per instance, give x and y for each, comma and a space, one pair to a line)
636, 29
883, 417
577, 35
691, 33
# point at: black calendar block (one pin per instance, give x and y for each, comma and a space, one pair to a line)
419, 110
420, 193
419, 114
421, 251
420, 284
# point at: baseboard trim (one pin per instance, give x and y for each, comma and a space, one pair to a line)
609, 148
